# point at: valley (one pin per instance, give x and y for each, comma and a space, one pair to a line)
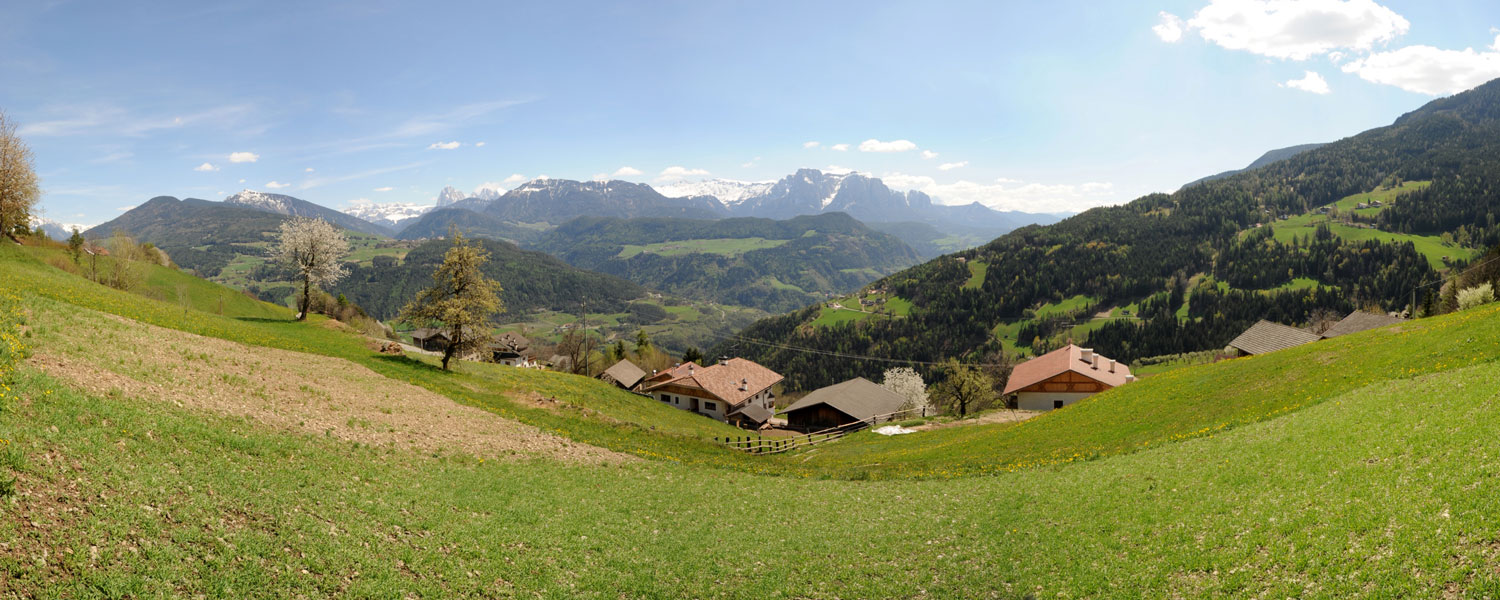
810, 301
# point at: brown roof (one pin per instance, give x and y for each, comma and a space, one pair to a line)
1358, 321
1266, 336
754, 412
427, 333
625, 373
511, 341
1062, 360
732, 381
859, 398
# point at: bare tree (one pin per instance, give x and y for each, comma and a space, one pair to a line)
18, 182
1320, 320
125, 268
315, 250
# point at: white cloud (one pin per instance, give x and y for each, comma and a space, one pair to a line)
242, 181
810, 144
1429, 70
443, 145
837, 170
675, 173
953, 165
627, 172
490, 185
123, 208
384, 189
1007, 195
105, 119
276, 185
1294, 29
1006, 180
1169, 29
874, 145
243, 157
1310, 82
839, 147
205, 167
514, 179
478, 144
327, 179
928, 154
601, 176
307, 170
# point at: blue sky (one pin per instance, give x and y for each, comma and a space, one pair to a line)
1045, 107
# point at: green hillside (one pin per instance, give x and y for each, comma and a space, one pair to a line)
1243, 478
759, 263
1434, 171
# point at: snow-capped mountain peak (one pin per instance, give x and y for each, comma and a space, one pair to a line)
450, 195
387, 213
268, 202
728, 191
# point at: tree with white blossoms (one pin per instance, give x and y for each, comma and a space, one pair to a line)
315, 250
18, 183
1476, 296
907, 383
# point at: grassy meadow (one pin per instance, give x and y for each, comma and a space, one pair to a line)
1329, 470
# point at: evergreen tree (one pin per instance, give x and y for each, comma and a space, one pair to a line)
75, 246
692, 355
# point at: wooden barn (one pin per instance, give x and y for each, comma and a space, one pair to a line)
854, 400
1064, 376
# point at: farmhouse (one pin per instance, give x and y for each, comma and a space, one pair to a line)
1064, 376
624, 374
852, 401
735, 391
1358, 321
510, 349
1266, 336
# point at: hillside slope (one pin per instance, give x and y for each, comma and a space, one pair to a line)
216, 505
765, 264
1166, 256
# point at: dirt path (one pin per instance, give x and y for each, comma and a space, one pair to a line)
999, 416
117, 358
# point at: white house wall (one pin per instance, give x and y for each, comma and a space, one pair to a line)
1046, 400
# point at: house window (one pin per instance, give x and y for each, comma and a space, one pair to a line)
710, 406
1057, 404
666, 398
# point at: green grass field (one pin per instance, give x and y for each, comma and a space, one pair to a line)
887, 306
1432, 247
1329, 470
977, 270
724, 246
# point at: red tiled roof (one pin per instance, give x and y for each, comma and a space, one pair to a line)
1062, 360
732, 381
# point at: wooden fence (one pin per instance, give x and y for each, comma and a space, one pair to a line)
764, 445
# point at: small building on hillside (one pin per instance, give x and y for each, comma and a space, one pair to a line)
1358, 321
510, 349
735, 391
1265, 336
1064, 376
854, 400
430, 339
624, 374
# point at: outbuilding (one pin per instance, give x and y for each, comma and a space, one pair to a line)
855, 400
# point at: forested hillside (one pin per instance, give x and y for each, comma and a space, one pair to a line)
1189, 270
759, 263
200, 236
530, 280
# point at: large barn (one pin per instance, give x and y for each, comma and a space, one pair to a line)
736, 391
854, 400
1064, 376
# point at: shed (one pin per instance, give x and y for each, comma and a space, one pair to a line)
750, 416
1358, 321
854, 400
1266, 336
1064, 376
624, 374
430, 338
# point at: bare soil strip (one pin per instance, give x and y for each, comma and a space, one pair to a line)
117, 358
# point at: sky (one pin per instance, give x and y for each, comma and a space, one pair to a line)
1035, 106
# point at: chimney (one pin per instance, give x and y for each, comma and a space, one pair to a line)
1111, 365
1088, 355
1129, 378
